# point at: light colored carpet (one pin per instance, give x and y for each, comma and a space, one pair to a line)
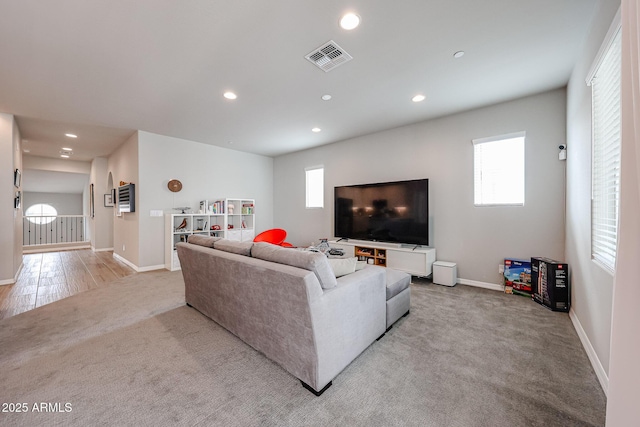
134, 354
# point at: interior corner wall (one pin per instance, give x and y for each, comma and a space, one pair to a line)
102, 222
11, 238
17, 214
476, 238
123, 165
207, 172
592, 286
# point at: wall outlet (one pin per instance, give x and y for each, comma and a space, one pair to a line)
123, 248
500, 268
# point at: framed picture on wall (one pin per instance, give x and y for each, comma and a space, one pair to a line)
108, 200
17, 177
92, 205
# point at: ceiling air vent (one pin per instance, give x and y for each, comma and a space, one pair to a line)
328, 56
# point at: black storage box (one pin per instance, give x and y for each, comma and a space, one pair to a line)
550, 283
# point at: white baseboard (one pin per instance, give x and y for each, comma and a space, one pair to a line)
135, 267
15, 278
101, 249
55, 247
591, 353
477, 284
151, 268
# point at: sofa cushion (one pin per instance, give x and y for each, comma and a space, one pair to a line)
240, 248
397, 281
206, 241
342, 266
312, 261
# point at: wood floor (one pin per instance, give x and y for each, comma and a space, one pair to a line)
51, 276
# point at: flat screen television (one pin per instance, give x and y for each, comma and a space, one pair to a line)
386, 212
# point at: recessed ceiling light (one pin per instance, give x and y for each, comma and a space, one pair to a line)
229, 142
349, 21
316, 130
64, 156
67, 149
418, 98
70, 135
230, 95
458, 54
26, 150
326, 97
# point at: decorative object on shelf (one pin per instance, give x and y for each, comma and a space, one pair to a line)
122, 183
229, 226
324, 245
230, 208
200, 225
216, 227
16, 178
16, 201
182, 225
183, 209
174, 185
108, 201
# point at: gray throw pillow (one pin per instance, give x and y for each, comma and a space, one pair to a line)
312, 261
240, 248
201, 240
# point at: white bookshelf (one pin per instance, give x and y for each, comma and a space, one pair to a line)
236, 224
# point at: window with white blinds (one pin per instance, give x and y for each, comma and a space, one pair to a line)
605, 172
498, 173
314, 187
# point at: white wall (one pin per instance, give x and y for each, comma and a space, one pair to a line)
624, 372
56, 165
123, 166
206, 172
591, 285
102, 223
477, 238
11, 237
64, 203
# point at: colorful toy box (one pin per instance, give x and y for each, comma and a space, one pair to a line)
517, 276
551, 286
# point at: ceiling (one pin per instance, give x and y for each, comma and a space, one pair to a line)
102, 69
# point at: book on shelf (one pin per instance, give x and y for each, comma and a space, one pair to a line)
247, 208
216, 207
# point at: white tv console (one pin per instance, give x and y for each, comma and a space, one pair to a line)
417, 261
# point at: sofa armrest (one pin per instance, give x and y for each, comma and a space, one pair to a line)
347, 319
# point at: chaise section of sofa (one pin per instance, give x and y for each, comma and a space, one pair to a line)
282, 310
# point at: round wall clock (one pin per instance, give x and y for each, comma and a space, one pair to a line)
174, 185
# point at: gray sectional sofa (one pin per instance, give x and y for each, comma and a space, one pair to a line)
286, 303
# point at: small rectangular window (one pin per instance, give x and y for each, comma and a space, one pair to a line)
498, 175
315, 187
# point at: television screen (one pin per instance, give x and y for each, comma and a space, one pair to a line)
387, 212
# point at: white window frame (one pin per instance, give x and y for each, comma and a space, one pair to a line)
314, 187
482, 184
41, 217
606, 144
